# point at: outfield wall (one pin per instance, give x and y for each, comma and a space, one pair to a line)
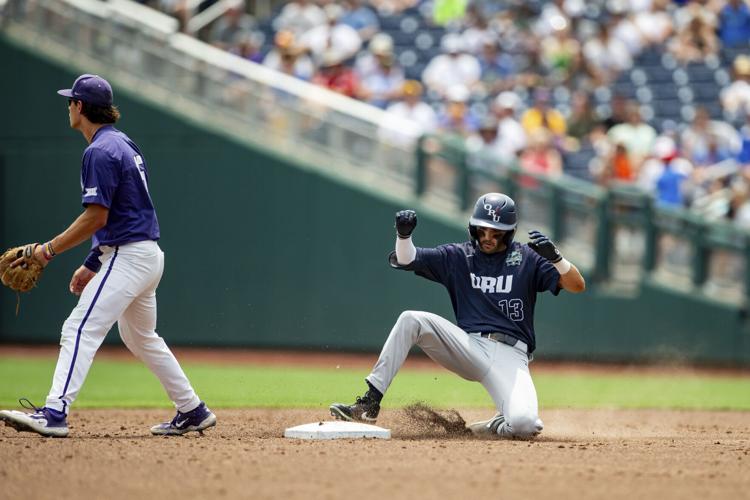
265, 252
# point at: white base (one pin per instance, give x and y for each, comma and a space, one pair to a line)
337, 429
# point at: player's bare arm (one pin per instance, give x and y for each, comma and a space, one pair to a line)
570, 277
91, 220
572, 281
82, 229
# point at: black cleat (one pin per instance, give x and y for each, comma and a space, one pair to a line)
365, 409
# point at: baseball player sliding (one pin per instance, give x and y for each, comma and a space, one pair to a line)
118, 280
493, 282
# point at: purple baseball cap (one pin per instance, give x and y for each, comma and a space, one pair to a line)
92, 89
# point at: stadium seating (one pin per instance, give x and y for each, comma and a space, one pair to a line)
656, 79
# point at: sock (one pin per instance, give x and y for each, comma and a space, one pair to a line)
373, 393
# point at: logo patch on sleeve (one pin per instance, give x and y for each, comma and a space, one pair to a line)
90, 192
514, 259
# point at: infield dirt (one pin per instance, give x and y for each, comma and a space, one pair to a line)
581, 454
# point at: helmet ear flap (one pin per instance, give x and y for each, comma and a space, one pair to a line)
473, 232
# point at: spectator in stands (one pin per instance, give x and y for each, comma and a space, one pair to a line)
605, 56
543, 116
618, 112
582, 119
457, 118
384, 84
515, 35
367, 62
233, 25
248, 46
179, 9
497, 69
734, 24
390, 7
736, 98
476, 30
411, 107
655, 25
741, 206
712, 197
742, 211
446, 12
664, 173
360, 17
625, 30
694, 42
556, 15
620, 166
452, 68
299, 17
334, 75
485, 149
692, 9
289, 57
669, 186
511, 135
743, 157
332, 34
541, 156
635, 136
706, 142
560, 55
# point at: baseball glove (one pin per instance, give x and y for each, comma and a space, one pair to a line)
23, 277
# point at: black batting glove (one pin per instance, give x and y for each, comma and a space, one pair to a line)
406, 221
544, 247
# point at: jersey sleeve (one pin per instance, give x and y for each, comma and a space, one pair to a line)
92, 261
99, 178
430, 263
547, 277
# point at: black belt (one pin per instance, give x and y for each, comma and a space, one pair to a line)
501, 337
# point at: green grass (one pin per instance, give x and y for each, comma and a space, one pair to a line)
129, 384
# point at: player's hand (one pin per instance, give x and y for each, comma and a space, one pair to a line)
80, 279
406, 221
544, 247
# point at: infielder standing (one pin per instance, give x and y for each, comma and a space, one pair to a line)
493, 282
118, 280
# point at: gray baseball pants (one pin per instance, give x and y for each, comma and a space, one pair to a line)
503, 370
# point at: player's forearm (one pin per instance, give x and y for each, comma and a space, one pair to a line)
406, 252
82, 229
572, 281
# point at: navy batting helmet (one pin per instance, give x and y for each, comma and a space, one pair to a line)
496, 211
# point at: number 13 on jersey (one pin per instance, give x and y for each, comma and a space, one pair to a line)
512, 309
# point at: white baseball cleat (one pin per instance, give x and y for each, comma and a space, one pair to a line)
488, 428
44, 421
498, 426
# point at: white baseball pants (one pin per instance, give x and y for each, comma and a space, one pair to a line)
124, 290
502, 370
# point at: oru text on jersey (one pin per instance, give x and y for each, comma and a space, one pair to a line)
490, 292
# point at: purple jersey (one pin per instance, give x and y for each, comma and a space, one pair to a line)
489, 293
113, 174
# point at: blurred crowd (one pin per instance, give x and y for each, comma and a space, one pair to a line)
532, 83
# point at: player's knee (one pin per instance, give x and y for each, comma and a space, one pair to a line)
409, 319
525, 425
